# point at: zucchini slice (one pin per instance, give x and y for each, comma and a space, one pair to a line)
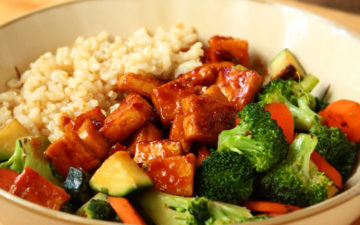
119, 175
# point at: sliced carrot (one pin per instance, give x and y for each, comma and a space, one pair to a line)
125, 211
270, 207
282, 115
7, 178
325, 167
344, 114
202, 153
238, 120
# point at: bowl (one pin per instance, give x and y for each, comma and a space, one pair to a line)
325, 49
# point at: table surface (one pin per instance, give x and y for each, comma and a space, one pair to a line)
11, 9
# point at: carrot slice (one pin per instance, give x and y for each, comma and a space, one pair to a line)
7, 178
344, 114
325, 167
270, 207
282, 115
125, 211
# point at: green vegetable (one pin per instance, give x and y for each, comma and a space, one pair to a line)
300, 102
225, 176
77, 185
98, 196
166, 209
8, 135
286, 65
29, 152
295, 181
119, 175
99, 209
336, 149
257, 137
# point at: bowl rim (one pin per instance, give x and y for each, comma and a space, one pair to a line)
335, 201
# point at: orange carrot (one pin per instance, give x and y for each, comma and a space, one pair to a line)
344, 114
203, 152
237, 120
7, 178
270, 207
282, 115
325, 167
125, 211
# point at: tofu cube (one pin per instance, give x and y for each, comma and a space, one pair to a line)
93, 139
137, 83
127, 118
239, 86
147, 150
148, 132
205, 117
177, 133
173, 175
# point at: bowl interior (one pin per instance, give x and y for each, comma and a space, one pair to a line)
326, 50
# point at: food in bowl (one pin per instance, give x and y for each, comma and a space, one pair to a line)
160, 128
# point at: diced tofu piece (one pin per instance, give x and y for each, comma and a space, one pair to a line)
93, 139
95, 115
239, 86
138, 83
147, 150
167, 97
33, 187
177, 133
228, 49
70, 150
173, 175
116, 148
215, 92
148, 132
205, 117
130, 116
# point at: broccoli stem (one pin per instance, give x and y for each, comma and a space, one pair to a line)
300, 152
228, 212
309, 82
304, 116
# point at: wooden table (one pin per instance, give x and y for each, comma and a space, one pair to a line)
11, 9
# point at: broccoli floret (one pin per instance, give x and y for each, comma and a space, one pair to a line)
99, 209
225, 176
257, 137
300, 102
295, 181
336, 149
166, 209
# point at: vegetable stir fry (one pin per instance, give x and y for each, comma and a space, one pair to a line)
217, 145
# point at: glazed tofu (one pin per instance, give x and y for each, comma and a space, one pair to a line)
228, 49
173, 175
177, 133
95, 115
148, 132
93, 139
127, 118
239, 86
137, 83
214, 92
147, 150
205, 117
168, 97
70, 150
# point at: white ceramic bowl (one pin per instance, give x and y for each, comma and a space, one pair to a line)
325, 49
